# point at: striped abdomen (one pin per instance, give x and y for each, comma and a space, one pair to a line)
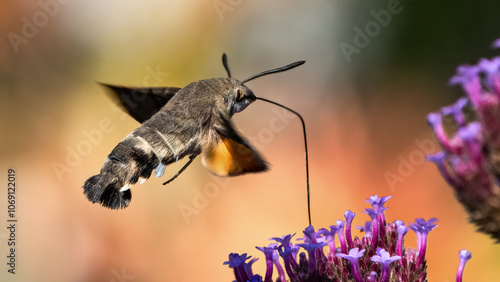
157, 143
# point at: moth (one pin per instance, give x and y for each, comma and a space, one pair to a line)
177, 123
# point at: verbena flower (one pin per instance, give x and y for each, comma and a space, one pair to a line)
379, 256
470, 156
353, 257
385, 259
464, 257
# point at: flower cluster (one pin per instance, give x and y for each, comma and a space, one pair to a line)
470, 142
379, 256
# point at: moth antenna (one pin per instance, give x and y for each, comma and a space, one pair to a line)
226, 66
285, 68
305, 141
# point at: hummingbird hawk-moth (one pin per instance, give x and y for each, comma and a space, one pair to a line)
175, 123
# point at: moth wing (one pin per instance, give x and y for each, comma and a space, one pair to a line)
141, 103
226, 153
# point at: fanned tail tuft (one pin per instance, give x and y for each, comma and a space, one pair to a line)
105, 189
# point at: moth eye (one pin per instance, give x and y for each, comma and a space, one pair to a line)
239, 96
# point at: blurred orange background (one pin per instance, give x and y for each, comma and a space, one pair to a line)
365, 114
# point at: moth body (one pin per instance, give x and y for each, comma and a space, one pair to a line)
175, 123
194, 119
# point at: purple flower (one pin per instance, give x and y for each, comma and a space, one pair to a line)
339, 230
256, 278
372, 277
330, 240
353, 257
378, 206
288, 253
268, 252
402, 230
469, 157
367, 228
310, 235
384, 258
456, 111
277, 264
377, 202
349, 216
464, 257
422, 229
284, 240
495, 44
376, 219
313, 249
248, 266
365, 263
465, 73
237, 263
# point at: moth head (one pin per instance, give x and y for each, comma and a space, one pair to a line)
240, 98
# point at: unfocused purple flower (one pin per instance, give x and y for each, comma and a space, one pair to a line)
372, 277
456, 112
465, 75
469, 160
496, 44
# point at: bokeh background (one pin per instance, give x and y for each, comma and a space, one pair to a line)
365, 115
